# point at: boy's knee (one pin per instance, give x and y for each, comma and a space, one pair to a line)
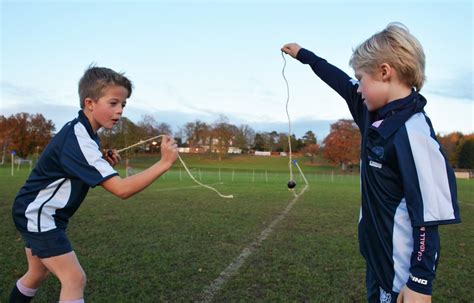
33, 279
80, 279
77, 279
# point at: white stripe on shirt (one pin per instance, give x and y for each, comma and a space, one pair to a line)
91, 152
402, 243
431, 170
60, 199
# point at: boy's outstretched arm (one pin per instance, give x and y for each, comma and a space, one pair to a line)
127, 187
337, 79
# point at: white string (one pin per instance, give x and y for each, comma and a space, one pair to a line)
288, 115
139, 143
184, 165
289, 133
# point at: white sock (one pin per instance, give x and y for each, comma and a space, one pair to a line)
29, 292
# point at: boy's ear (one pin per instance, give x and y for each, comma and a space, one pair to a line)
385, 71
88, 104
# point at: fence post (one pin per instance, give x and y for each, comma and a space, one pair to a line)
13, 163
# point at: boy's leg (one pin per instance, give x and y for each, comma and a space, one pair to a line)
36, 273
26, 286
68, 270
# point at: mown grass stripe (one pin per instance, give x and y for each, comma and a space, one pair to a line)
232, 269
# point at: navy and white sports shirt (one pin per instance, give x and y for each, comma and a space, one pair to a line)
70, 164
408, 187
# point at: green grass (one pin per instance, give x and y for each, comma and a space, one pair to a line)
172, 240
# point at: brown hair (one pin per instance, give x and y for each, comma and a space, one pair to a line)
95, 79
396, 47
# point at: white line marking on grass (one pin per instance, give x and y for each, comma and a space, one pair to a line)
464, 203
210, 291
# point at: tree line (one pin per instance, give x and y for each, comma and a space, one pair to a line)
28, 134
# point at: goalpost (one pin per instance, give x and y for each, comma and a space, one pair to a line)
19, 161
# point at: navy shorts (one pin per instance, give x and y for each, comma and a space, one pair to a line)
47, 244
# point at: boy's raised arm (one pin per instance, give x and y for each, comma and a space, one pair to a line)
127, 187
338, 80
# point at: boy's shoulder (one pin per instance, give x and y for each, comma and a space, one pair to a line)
409, 119
77, 130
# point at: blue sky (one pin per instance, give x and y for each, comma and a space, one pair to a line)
201, 59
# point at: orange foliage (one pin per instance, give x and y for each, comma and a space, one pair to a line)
342, 145
25, 133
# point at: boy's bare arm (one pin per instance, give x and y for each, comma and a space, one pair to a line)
127, 187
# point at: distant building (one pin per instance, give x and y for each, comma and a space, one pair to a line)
263, 153
234, 150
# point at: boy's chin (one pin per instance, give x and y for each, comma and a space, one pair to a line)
371, 107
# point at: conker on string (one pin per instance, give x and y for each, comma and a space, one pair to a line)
291, 184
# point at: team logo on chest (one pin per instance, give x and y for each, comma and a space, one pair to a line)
379, 153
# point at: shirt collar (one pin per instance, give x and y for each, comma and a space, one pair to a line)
396, 113
85, 121
395, 106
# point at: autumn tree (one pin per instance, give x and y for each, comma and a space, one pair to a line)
466, 154
451, 145
6, 135
25, 133
342, 145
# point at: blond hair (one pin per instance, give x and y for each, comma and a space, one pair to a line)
396, 47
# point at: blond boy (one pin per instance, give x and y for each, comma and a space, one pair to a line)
408, 187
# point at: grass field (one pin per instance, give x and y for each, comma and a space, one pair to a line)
171, 241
